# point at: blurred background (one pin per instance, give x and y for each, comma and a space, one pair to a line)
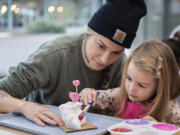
26, 24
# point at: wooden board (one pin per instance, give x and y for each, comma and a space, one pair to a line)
86, 126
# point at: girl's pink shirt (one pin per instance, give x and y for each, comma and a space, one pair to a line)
134, 110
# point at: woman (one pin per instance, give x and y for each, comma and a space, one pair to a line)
95, 58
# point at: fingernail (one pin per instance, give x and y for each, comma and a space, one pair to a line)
43, 125
61, 124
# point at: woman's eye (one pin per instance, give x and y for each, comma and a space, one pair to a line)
100, 46
116, 53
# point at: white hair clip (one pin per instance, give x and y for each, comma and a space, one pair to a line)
159, 66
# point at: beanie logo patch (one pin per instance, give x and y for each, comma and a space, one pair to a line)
119, 36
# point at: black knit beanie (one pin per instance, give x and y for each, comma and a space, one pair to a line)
118, 20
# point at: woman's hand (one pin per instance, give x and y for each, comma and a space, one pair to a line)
40, 115
148, 117
88, 95
37, 113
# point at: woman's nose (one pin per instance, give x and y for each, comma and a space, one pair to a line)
105, 58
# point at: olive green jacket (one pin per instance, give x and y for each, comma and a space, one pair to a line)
46, 76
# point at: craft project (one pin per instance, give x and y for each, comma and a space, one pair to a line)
70, 114
142, 127
70, 111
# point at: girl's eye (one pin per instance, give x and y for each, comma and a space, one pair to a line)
142, 86
128, 78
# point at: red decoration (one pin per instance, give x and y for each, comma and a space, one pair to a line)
81, 117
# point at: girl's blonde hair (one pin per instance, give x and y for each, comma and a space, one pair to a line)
156, 57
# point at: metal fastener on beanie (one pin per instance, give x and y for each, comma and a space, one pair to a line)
118, 20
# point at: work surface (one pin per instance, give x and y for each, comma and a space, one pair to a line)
21, 123
17, 122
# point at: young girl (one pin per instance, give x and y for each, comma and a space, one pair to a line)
150, 80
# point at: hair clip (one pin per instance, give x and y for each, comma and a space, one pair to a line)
159, 66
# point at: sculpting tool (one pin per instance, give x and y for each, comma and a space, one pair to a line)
81, 115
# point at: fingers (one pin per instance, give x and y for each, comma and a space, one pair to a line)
91, 96
53, 118
47, 117
41, 115
88, 96
38, 121
149, 118
94, 96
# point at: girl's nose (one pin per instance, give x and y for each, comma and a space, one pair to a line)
132, 87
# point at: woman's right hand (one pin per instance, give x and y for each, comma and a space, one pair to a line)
35, 112
40, 115
88, 95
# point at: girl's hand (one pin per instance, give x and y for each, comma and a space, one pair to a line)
148, 117
88, 95
40, 115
